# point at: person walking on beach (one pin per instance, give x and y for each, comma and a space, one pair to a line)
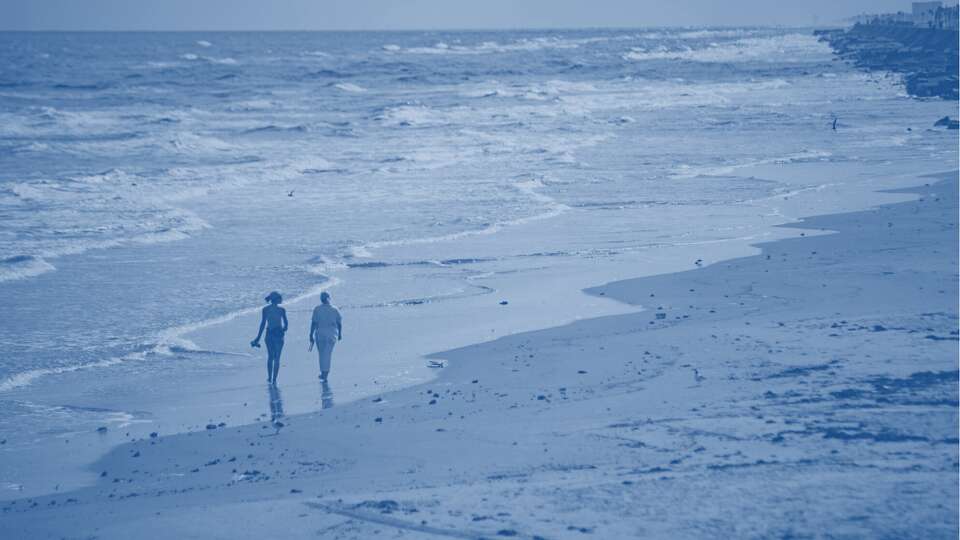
326, 329
274, 318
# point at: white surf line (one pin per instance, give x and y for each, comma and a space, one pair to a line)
24, 378
406, 525
527, 187
172, 337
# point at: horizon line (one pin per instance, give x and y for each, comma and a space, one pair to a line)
438, 29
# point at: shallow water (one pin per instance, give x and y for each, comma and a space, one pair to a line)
157, 185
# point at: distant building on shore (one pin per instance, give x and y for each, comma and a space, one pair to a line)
921, 15
947, 18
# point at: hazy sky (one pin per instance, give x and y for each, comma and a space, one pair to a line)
420, 14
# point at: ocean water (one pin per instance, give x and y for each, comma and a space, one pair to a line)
154, 184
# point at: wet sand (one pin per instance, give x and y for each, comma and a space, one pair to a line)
807, 390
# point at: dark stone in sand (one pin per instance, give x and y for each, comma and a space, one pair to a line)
295, 491
102, 429
385, 506
154, 435
211, 426
378, 419
504, 302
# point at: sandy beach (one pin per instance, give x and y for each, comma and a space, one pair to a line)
809, 390
678, 282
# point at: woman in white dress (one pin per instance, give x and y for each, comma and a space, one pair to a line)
326, 329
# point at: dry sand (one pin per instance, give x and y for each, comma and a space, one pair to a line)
810, 390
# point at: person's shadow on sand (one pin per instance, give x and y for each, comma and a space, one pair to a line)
326, 395
276, 403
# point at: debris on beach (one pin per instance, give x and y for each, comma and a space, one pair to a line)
385, 506
437, 364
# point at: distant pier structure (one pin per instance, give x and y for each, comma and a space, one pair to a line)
921, 44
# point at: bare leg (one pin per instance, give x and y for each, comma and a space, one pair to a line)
271, 354
276, 360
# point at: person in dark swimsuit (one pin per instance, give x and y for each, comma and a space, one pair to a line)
274, 318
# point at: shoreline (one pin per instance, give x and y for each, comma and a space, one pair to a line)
194, 404
351, 456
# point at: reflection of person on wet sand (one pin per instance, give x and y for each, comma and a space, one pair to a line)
276, 404
326, 329
274, 318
